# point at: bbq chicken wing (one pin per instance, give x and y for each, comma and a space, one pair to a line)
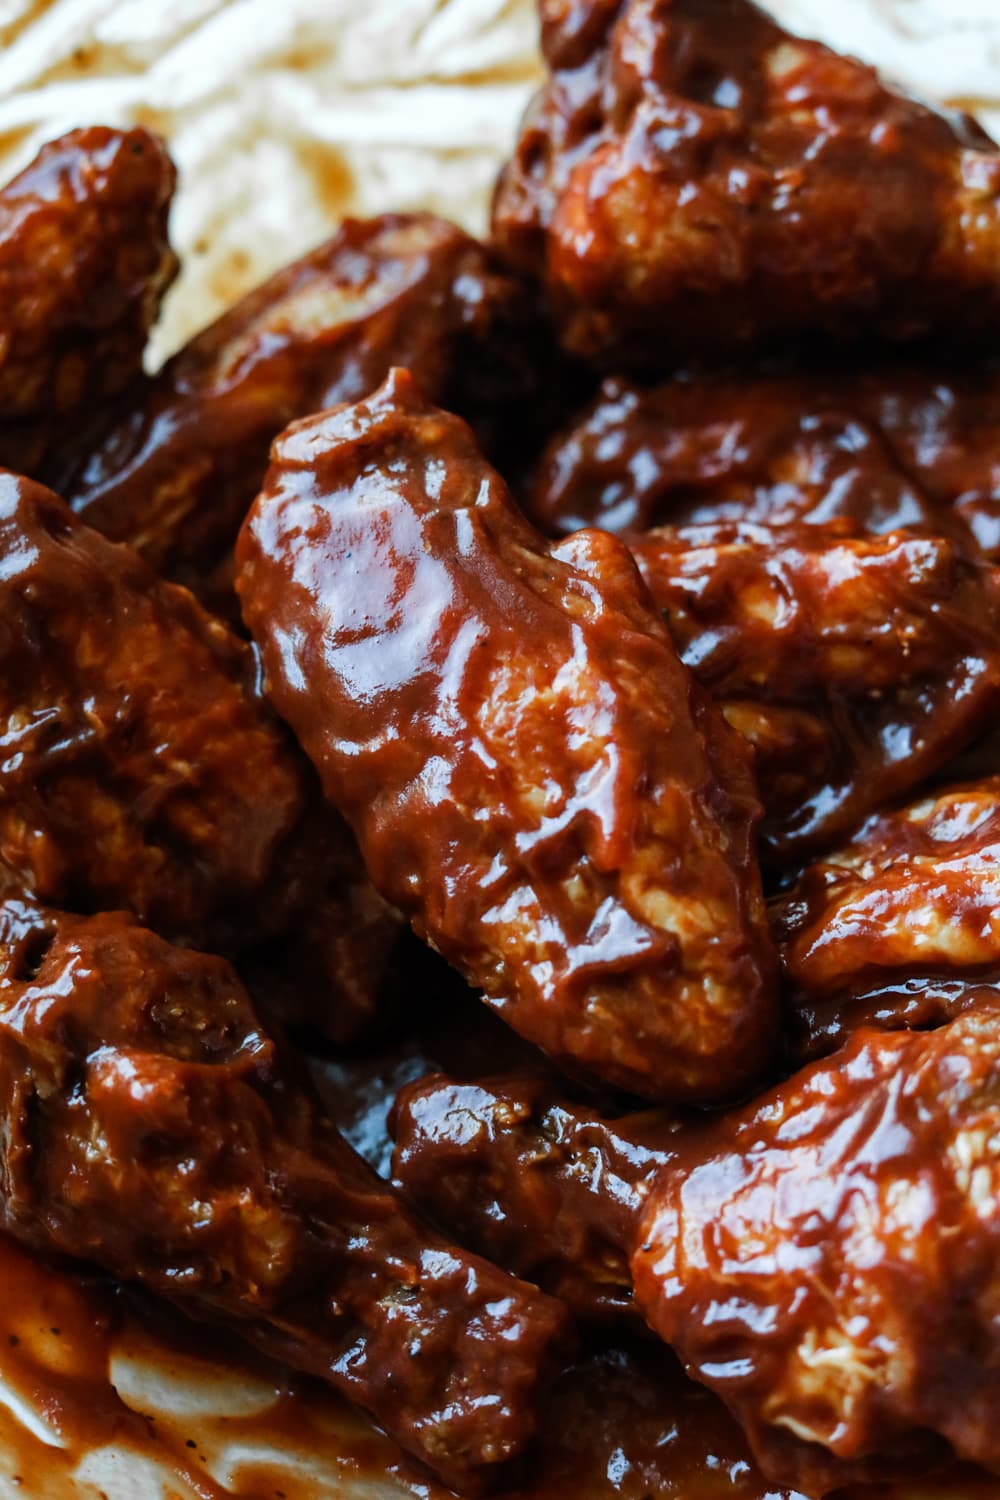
883, 447
84, 263
542, 1186
901, 927
857, 668
176, 473
147, 1127
143, 770
826, 1261
693, 179
533, 776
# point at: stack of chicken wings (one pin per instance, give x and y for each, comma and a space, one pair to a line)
607, 615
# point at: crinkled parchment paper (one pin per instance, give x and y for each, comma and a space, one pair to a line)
283, 116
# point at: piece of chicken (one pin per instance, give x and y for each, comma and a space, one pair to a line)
694, 179
857, 668
84, 264
901, 927
824, 1259
883, 446
533, 776
188, 450
142, 769
148, 1127
544, 1186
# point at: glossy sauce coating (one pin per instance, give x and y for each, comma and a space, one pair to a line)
856, 667
188, 450
693, 179
84, 263
142, 769
899, 927
547, 1189
532, 775
826, 1260
880, 444
106, 1372
148, 1128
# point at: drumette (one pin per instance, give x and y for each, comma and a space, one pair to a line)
824, 1259
187, 451
143, 770
84, 264
857, 667
900, 926
148, 1127
692, 179
533, 776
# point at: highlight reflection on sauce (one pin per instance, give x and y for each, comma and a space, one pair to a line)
102, 1394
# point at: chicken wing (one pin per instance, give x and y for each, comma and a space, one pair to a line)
148, 1127
177, 472
546, 1188
901, 927
141, 767
857, 668
533, 776
693, 179
884, 446
84, 263
824, 1259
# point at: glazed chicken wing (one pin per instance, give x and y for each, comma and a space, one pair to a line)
901, 927
545, 1187
693, 179
147, 1127
176, 473
857, 668
84, 263
885, 446
142, 768
533, 776
825, 1259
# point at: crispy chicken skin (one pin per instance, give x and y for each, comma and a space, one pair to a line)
532, 775
884, 446
84, 263
187, 453
900, 927
547, 1188
826, 1260
856, 667
147, 1127
692, 179
142, 768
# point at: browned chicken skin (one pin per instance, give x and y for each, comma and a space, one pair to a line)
824, 1259
187, 453
84, 263
532, 775
143, 770
148, 1128
878, 443
900, 927
856, 667
693, 179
